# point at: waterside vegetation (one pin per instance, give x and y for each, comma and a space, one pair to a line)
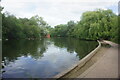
93, 25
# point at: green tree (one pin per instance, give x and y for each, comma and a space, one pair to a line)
96, 25
16, 28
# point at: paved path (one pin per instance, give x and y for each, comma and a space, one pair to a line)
106, 66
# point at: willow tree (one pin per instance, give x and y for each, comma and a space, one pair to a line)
97, 24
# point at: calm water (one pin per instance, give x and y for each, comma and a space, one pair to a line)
43, 58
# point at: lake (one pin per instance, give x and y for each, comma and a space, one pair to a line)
42, 58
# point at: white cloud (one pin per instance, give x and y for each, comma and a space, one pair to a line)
55, 11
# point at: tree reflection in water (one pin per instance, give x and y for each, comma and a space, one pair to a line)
42, 58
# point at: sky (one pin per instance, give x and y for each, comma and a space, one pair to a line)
56, 12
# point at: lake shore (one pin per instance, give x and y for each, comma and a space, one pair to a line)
104, 64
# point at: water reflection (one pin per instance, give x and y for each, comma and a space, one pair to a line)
42, 58
81, 47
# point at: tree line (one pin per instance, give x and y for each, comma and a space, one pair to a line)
98, 24
17, 28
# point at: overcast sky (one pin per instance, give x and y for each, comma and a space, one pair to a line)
56, 12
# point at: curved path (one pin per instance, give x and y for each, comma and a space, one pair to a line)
104, 64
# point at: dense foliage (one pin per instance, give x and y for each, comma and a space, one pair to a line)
63, 30
99, 24
16, 28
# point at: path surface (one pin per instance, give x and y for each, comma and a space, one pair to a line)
104, 64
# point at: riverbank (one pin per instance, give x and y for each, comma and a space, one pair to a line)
104, 64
